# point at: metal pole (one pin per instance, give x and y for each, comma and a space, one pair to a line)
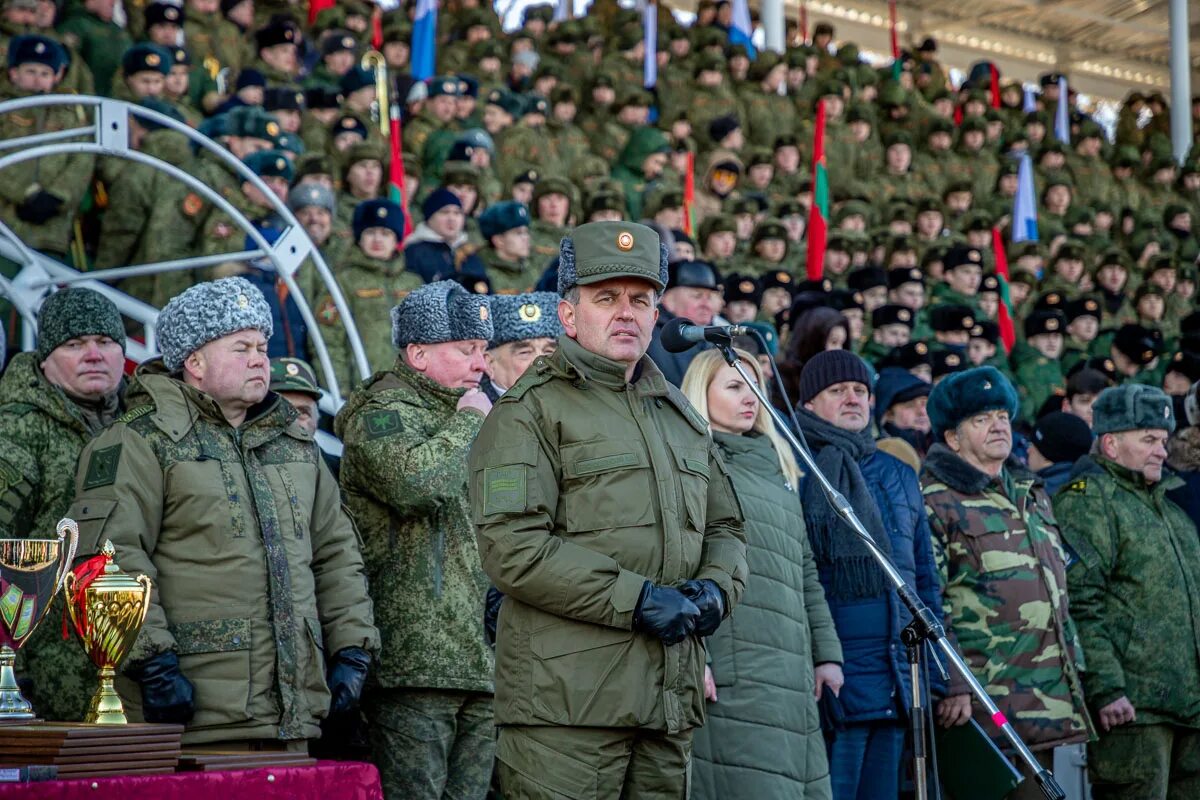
922, 615
1181, 81
120, 273
774, 24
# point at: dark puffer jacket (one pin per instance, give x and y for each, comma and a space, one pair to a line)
876, 667
763, 736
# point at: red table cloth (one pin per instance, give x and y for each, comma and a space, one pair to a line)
327, 780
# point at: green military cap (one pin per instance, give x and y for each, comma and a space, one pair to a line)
1071, 249
786, 140
472, 17
460, 173
1164, 261
1009, 167
587, 167
1126, 156
769, 228
634, 97
973, 124
603, 79
665, 196
852, 208
797, 58
832, 87
735, 50
900, 210
544, 12
926, 204
598, 251
710, 37
892, 95
1078, 215
1090, 129
563, 94
549, 70
838, 240
748, 204
848, 53
1058, 178
485, 48
709, 62
1113, 257
362, 151
761, 67
859, 112
628, 37
758, 155
898, 243
293, 375
1040, 117
506, 100
940, 125
715, 223
1188, 272
789, 208
1130, 407
864, 75
1148, 289
552, 184
897, 137
606, 201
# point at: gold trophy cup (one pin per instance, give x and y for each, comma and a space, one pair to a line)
107, 614
31, 572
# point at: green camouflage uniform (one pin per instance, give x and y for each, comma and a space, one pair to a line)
509, 277
371, 287
44, 432
257, 572
1036, 378
1134, 587
1004, 581
545, 239
214, 36
766, 115
100, 44
404, 476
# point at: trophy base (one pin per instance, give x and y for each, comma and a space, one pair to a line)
14, 708
30, 720
106, 708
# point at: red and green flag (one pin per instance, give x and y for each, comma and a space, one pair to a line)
1008, 334
689, 196
819, 213
893, 26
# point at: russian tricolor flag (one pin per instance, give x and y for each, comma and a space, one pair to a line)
424, 40
742, 31
1024, 220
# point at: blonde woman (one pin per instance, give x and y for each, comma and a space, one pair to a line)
774, 656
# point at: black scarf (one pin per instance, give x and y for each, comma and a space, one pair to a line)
855, 573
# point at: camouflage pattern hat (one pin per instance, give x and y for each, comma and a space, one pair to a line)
206, 312
441, 312
293, 375
517, 317
1133, 406
73, 312
598, 251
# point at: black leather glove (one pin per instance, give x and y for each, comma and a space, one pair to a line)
709, 598
491, 614
665, 613
167, 696
39, 207
347, 674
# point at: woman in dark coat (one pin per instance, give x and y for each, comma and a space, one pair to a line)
778, 650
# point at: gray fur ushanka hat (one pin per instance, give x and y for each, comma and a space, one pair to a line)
441, 312
206, 312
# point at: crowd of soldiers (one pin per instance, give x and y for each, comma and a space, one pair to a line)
490, 566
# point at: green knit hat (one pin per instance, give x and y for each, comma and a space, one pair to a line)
76, 312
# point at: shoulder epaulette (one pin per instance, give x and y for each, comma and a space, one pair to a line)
536, 375
680, 401
135, 413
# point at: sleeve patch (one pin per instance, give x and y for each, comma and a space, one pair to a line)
102, 467
1077, 486
382, 423
504, 489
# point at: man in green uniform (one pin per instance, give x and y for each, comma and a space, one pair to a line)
505, 228
1037, 360
52, 402
39, 197
1134, 596
1003, 570
552, 204
88, 28
608, 520
404, 474
211, 488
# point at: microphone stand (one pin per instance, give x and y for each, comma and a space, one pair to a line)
925, 626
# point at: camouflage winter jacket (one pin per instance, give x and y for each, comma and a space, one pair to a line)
1135, 591
404, 477
1004, 584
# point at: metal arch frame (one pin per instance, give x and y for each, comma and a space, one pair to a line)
110, 128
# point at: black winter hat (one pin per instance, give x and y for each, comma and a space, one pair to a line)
833, 366
1060, 437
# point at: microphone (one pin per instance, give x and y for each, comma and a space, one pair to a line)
680, 334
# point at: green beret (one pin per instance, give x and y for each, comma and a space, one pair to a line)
293, 375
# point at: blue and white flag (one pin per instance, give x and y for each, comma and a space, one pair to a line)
1024, 220
650, 28
562, 10
424, 40
1029, 101
742, 31
1062, 122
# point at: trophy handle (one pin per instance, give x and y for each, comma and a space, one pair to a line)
66, 525
69, 582
147, 585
